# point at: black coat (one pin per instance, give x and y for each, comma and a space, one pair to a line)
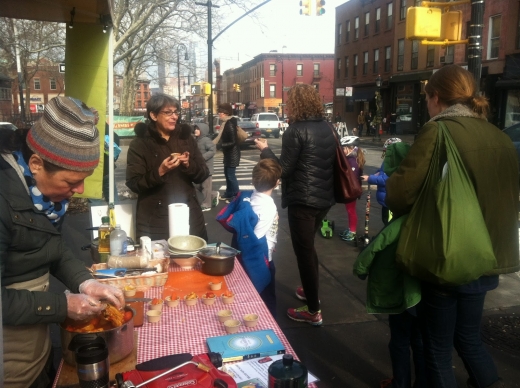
307, 160
230, 147
155, 193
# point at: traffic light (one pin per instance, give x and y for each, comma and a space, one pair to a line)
423, 23
451, 25
238, 88
319, 7
207, 88
195, 90
305, 7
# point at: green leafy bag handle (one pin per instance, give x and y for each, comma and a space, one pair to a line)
445, 239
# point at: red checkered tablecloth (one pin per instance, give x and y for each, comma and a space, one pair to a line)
184, 329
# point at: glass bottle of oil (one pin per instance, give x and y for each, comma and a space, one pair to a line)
104, 239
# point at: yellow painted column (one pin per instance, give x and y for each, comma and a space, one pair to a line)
86, 76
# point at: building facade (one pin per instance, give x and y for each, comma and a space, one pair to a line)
263, 82
370, 41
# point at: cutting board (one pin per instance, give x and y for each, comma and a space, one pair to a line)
182, 283
139, 309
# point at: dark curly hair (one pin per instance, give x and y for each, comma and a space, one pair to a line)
304, 102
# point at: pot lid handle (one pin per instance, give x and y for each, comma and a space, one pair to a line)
217, 248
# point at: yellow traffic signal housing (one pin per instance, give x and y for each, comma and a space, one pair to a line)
451, 25
207, 88
306, 7
423, 23
238, 87
319, 7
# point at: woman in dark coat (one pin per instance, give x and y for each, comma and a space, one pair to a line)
230, 149
161, 178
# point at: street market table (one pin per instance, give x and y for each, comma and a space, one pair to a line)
184, 329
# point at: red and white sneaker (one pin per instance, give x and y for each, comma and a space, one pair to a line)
302, 314
300, 294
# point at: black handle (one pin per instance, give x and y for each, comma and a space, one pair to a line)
86, 247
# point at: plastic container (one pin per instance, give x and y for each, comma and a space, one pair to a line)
287, 373
118, 241
104, 239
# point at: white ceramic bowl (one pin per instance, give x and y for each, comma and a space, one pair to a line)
185, 262
186, 243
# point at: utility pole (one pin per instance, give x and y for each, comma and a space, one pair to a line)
210, 64
476, 28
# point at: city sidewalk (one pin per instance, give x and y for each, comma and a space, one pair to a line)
351, 348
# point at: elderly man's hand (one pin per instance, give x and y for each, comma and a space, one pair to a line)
101, 291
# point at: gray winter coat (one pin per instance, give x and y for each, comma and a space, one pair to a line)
206, 146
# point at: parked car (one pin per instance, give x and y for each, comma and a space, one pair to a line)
268, 123
252, 131
6, 125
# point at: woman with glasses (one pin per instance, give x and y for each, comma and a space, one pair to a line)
163, 162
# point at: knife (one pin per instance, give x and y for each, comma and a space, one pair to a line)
129, 300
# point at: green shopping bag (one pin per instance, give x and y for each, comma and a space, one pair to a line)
445, 239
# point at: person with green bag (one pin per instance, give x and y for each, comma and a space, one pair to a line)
459, 186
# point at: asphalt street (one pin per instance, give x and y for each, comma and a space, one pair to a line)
351, 348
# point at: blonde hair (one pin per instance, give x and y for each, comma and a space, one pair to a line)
304, 102
455, 85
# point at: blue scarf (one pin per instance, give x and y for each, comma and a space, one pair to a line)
53, 211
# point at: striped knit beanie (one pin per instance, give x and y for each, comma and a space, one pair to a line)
66, 135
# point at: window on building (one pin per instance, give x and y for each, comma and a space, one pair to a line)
449, 54
117, 82
430, 56
400, 55
402, 10
272, 70
138, 95
389, 15
338, 68
388, 58
145, 86
37, 85
299, 70
53, 83
145, 95
495, 23
316, 69
347, 32
415, 55
346, 67
378, 20
139, 104
375, 68
5, 94
367, 23
365, 62
356, 27
272, 91
340, 26
354, 71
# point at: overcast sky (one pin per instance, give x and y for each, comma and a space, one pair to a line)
278, 24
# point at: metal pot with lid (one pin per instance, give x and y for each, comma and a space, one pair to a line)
217, 260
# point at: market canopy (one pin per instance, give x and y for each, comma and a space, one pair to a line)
88, 56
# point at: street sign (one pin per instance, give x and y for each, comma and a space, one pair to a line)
348, 91
286, 88
62, 67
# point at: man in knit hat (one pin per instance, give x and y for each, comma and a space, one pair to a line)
40, 170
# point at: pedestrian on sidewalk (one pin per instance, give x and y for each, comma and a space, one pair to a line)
360, 123
163, 162
256, 254
356, 160
307, 161
207, 149
230, 149
40, 170
451, 316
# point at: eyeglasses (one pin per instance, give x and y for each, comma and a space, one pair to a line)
169, 113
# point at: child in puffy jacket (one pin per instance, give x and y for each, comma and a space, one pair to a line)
379, 179
356, 160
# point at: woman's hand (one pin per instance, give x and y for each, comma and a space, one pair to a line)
364, 177
261, 144
99, 291
81, 306
168, 164
185, 159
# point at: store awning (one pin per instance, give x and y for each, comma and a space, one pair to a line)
508, 84
364, 94
251, 106
410, 77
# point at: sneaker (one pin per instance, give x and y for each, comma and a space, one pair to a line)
206, 209
350, 236
229, 200
223, 197
302, 314
344, 233
300, 294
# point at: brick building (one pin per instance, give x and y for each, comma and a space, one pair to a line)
6, 98
370, 41
261, 81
